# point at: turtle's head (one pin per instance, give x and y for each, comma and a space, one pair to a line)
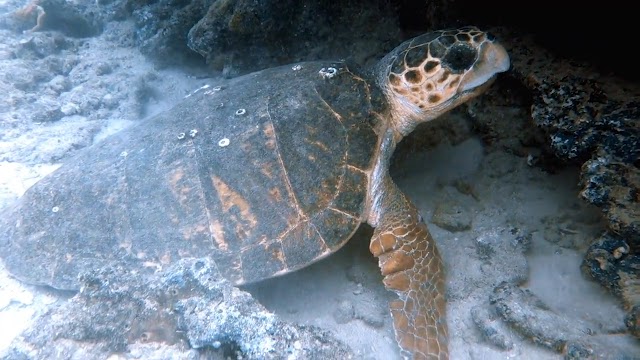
431, 74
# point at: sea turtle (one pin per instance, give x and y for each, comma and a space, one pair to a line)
265, 174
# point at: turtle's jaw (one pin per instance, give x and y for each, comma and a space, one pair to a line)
406, 115
493, 59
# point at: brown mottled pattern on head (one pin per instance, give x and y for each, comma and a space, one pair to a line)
430, 69
435, 72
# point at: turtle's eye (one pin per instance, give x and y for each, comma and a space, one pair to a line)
460, 57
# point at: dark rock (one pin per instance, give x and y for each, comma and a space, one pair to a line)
594, 123
162, 27
582, 119
592, 120
609, 261
614, 186
632, 321
74, 19
242, 36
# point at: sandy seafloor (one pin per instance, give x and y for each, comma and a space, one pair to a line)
496, 200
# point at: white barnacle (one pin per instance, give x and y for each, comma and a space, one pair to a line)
240, 112
328, 73
193, 133
296, 67
213, 90
55, 209
223, 142
198, 89
181, 136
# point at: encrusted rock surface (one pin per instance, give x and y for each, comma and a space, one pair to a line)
183, 312
592, 120
236, 37
608, 260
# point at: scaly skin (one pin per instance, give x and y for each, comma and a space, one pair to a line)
422, 79
412, 267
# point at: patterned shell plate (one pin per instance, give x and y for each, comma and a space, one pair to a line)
264, 173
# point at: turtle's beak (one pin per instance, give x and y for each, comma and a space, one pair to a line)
493, 59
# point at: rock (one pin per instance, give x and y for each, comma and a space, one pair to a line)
162, 28
47, 109
491, 328
187, 306
591, 120
452, 215
525, 313
610, 262
40, 45
26, 77
69, 109
614, 187
236, 37
58, 84
533, 319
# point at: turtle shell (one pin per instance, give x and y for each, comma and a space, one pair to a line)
264, 173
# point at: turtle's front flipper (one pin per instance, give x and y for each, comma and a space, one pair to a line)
412, 267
